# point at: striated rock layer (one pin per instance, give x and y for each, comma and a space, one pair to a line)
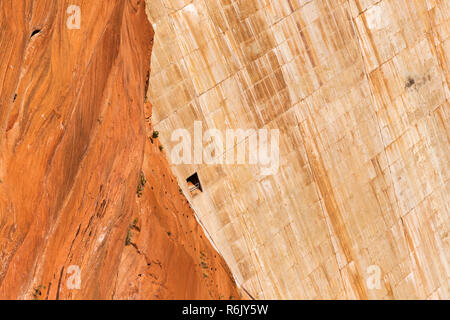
359, 207
88, 206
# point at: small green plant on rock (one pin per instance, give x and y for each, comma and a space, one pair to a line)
155, 134
129, 237
141, 185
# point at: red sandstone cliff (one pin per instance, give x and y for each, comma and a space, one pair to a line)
81, 183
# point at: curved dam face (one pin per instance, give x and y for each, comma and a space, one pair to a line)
340, 188
89, 208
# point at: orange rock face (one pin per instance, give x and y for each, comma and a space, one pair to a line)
88, 206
